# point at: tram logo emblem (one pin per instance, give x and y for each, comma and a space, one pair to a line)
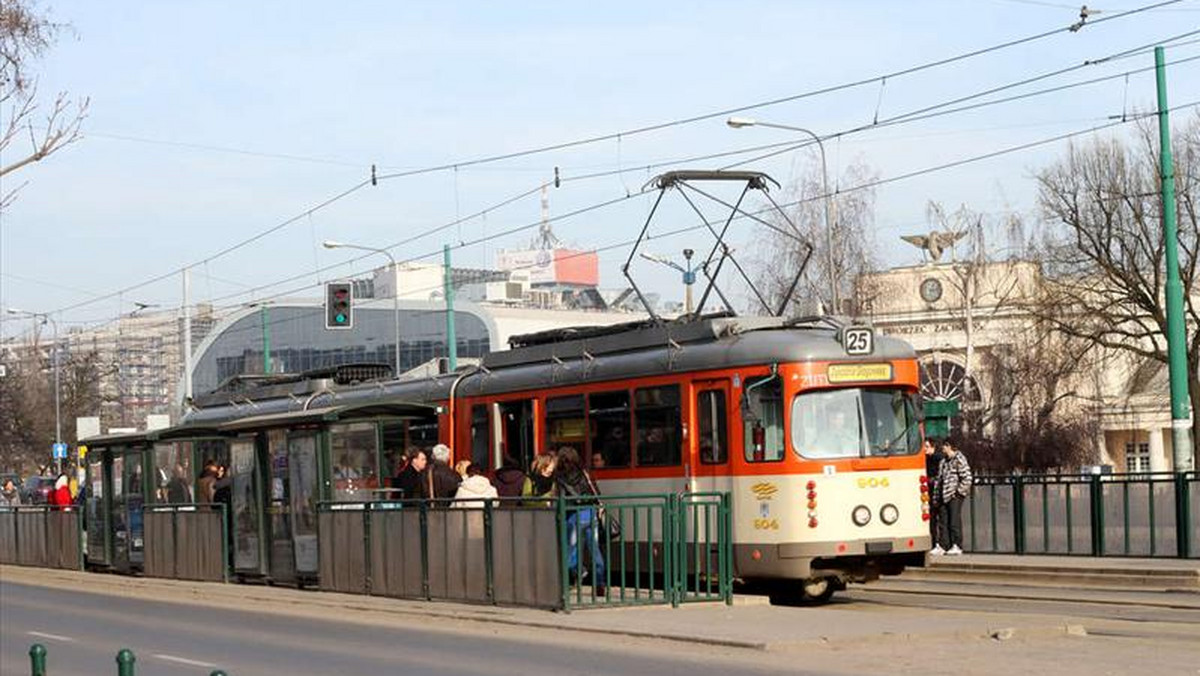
764, 490
873, 482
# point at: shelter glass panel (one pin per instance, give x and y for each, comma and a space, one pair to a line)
659, 421
246, 524
302, 468
609, 422
172, 473
354, 448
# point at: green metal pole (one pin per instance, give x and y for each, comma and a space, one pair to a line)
1176, 336
125, 660
265, 315
37, 659
451, 341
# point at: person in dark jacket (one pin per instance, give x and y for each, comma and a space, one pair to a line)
408, 481
933, 464
441, 481
509, 479
10, 496
583, 520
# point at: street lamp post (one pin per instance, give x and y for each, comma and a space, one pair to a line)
330, 244
54, 351
738, 123
689, 273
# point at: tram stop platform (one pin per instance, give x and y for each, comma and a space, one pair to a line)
899, 609
1077, 572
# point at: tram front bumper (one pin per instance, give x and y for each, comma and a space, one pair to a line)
854, 560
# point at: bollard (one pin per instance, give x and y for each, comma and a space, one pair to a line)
125, 660
37, 659
218, 672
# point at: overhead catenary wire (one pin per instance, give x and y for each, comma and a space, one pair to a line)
640, 130
861, 186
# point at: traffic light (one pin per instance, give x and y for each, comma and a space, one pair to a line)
339, 311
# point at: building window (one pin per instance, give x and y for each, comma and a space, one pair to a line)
1137, 457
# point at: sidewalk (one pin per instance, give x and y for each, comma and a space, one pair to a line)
1081, 572
750, 623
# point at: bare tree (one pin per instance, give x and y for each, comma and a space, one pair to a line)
26, 34
1107, 258
852, 216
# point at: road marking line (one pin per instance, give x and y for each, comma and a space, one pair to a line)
52, 637
183, 660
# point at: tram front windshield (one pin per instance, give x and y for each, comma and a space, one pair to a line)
854, 423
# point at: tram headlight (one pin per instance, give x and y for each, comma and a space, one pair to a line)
861, 515
889, 514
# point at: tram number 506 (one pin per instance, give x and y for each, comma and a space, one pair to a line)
858, 340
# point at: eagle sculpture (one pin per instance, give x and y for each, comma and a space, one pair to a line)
935, 242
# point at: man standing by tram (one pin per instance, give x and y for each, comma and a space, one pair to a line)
933, 465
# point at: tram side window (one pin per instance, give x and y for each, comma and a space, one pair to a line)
352, 451
609, 415
481, 433
566, 423
762, 419
658, 416
711, 424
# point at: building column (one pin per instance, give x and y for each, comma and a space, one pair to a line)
1158, 454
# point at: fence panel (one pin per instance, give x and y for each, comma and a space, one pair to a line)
525, 557
343, 562
989, 520
64, 539
186, 542
397, 564
8, 535
31, 536
457, 554
1191, 512
160, 544
619, 551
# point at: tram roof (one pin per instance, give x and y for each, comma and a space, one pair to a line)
369, 409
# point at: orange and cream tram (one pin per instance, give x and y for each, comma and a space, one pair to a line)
817, 446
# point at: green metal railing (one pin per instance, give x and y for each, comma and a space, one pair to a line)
126, 661
1144, 515
563, 553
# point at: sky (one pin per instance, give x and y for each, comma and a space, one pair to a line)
213, 122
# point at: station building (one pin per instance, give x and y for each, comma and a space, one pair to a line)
965, 323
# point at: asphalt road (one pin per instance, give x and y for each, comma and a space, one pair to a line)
83, 633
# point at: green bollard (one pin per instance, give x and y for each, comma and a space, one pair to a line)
125, 660
37, 659
218, 672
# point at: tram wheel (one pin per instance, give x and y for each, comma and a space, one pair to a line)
811, 592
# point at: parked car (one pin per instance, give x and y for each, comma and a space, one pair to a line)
36, 490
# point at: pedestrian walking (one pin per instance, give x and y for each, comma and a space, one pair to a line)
955, 478
583, 517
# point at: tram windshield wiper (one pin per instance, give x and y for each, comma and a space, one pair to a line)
886, 449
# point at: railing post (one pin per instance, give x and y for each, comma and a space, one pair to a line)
1183, 515
424, 524
488, 562
1018, 489
224, 542
1097, 516
37, 659
125, 660
366, 521
726, 546
560, 509
672, 543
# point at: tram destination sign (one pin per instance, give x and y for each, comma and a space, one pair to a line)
858, 373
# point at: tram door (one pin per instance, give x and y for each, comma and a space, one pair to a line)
302, 497
291, 506
97, 511
247, 526
517, 423
708, 454
279, 508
